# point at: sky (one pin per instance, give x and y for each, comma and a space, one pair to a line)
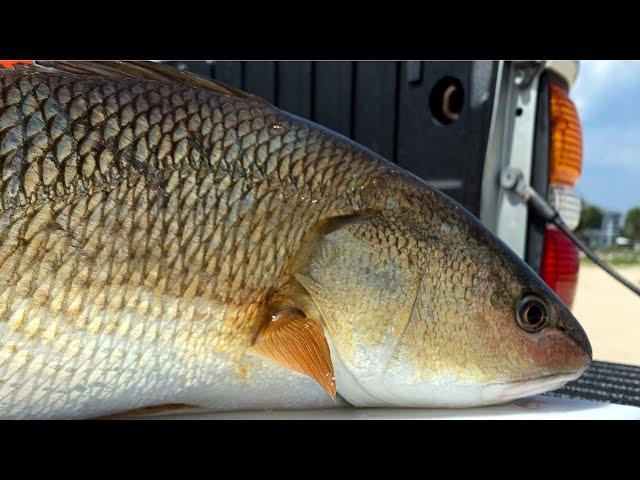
607, 95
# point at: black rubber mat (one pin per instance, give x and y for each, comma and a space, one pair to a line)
605, 382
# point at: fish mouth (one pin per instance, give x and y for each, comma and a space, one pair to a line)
525, 388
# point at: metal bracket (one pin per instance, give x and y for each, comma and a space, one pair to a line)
414, 71
504, 211
511, 178
526, 71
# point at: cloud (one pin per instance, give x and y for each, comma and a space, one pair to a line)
607, 86
612, 146
607, 95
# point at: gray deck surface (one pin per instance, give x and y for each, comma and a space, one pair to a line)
605, 382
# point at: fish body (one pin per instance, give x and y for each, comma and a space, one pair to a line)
150, 228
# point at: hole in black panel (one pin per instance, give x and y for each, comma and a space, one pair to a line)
446, 100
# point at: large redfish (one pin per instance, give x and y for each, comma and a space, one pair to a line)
168, 239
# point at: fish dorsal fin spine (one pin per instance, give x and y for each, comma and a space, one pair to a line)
298, 343
145, 70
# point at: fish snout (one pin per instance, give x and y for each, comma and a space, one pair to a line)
574, 331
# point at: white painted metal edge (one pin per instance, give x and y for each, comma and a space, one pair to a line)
533, 408
567, 68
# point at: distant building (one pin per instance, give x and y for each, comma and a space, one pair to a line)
609, 230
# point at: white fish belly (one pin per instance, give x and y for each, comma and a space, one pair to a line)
66, 372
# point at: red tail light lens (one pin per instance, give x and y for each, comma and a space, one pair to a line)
560, 264
560, 261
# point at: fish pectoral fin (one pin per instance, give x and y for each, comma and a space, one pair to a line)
296, 342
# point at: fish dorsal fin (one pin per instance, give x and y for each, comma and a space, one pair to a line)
145, 70
296, 342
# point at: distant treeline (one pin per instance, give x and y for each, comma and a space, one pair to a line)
591, 217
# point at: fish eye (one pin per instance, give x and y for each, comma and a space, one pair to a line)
532, 314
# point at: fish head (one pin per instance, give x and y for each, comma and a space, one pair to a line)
422, 306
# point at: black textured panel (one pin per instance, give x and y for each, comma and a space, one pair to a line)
454, 153
605, 382
294, 87
374, 115
229, 73
260, 79
333, 96
384, 105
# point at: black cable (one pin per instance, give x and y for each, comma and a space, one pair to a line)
562, 226
511, 179
551, 215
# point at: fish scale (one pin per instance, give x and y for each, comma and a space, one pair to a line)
108, 175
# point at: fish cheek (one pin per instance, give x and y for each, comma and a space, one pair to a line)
512, 354
555, 353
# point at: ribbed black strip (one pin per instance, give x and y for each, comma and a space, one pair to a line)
605, 382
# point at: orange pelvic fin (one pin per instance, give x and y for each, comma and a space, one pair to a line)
293, 341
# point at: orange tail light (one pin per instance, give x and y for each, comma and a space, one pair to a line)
565, 163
